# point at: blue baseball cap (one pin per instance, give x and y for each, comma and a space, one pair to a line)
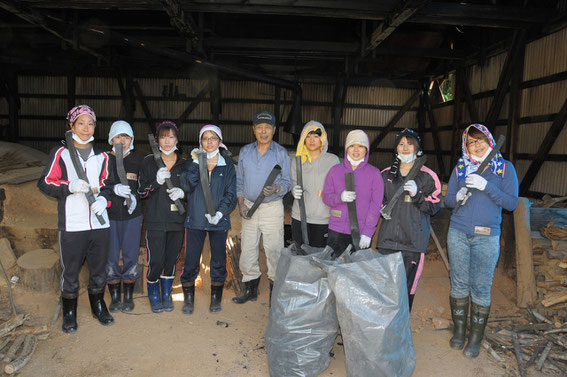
264, 117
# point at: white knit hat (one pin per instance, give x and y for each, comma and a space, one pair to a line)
357, 137
121, 127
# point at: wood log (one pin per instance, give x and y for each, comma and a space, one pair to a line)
11, 354
39, 270
554, 298
12, 323
31, 330
27, 352
525, 276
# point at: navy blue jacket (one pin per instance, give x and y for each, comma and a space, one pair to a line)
223, 189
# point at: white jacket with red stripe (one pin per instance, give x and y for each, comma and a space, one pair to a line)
74, 211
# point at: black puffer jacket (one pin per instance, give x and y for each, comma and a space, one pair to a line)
159, 214
409, 227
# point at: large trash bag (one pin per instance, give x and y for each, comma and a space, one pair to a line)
302, 324
373, 311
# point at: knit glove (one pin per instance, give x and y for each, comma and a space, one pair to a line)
364, 242
348, 196
78, 185
271, 190
463, 195
122, 190
214, 219
476, 181
161, 175
175, 193
133, 205
297, 192
99, 205
411, 187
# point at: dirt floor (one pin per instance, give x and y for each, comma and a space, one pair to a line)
231, 343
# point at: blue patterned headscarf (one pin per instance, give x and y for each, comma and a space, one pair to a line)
468, 165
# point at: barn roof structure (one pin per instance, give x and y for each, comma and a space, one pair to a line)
288, 44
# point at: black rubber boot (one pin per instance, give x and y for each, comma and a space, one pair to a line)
99, 310
128, 300
188, 299
479, 318
216, 298
271, 289
251, 293
69, 306
460, 313
115, 293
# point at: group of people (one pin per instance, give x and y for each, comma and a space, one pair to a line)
208, 187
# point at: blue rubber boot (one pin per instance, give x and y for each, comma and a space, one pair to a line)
166, 300
154, 296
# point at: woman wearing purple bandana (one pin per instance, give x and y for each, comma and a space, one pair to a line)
474, 233
199, 223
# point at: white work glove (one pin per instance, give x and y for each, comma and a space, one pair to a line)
161, 175
297, 192
78, 185
195, 155
411, 187
271, 190
175, 193
476, 181
364, 242
463, 195
214, 219
122, 190
99, 205
348, 196
133, 205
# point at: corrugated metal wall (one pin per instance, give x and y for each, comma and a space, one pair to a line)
543, 57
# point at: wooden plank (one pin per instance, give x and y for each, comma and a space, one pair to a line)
518, 44
436, 144
514, 107
554, 298
145, 107
544, 148
526, 290
395, 119
193, 105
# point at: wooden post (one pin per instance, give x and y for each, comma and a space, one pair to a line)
277, 110
13, 107
525, 277
514, 106
145, 107
435, 135
457, 116
338, 104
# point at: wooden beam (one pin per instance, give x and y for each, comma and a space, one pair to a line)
421, 112
339, 97
215, 90
193, 105
395, 120
277, 110
145, 107
543, 150
127, 100
473, 114
514, 107
403, 10
457, 115
518, 44
435, 135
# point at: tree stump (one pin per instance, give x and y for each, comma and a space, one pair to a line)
39, 270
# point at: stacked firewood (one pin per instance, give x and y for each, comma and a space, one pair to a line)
534, 341
18, 341
550, 260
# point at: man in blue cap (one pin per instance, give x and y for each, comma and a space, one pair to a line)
256, 162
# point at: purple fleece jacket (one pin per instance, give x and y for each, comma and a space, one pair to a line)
369, 188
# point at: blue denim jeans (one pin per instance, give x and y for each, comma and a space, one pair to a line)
472, 260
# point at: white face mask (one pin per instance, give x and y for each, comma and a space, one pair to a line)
406, 158
167, 153
213, 153
353, 162
483, 157
82, 142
